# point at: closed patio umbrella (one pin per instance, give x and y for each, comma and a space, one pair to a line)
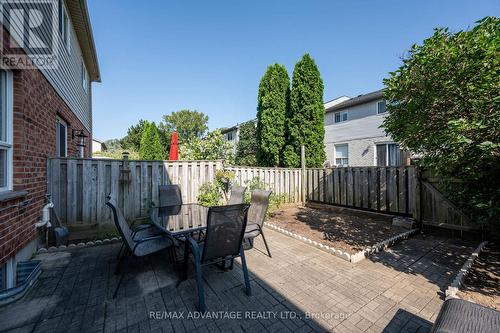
174, 147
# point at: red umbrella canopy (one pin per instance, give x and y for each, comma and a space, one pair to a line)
174, 147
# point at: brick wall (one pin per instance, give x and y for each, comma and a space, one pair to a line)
36, 108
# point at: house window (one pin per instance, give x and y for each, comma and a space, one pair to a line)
381, 107
61, 138
389, 155
340, 116
5, 130
85, 77
230, 136
64, 25
341, 155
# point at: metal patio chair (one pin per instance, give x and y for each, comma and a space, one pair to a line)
256, 217
237, 195
223, 243
169, 195
138, 244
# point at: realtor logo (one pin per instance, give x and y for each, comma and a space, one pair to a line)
32, 34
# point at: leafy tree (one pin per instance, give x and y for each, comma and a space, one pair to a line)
246, 149
189, 124
151, 148
305, 123
211, 147
134, 135
113, 144
274, 93
444, 104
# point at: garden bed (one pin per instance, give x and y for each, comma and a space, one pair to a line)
347, 231
482, 282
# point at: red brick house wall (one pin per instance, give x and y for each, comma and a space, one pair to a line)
36, 106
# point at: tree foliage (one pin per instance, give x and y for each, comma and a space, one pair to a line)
305, 120
212, 147
188, 124
273, 97
151, 148
246, 148
444, 104
134, 134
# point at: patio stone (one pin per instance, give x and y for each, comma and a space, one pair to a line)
300, 289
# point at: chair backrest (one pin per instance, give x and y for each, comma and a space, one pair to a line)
120, 223
237, 195
170, 195
225, 230
258, 206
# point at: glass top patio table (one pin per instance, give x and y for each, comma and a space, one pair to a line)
181, 219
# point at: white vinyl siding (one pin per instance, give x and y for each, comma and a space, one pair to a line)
342, 155
66, 79
85, 77
6, 129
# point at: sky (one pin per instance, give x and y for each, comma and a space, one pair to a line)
157, 57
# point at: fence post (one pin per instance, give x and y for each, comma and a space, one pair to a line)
418, 197
303, 172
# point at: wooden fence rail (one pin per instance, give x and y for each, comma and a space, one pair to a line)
385, 189
283, 182
79, 186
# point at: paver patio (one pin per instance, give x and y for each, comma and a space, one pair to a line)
300, 289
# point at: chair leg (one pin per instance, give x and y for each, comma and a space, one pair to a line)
248, 289
199, 282
265, 243
118, 286
117, 270
120, 252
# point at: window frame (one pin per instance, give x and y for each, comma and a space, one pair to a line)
386, 145
378, 107
85, 77
8, 144
64, 25
343, 158
342, 115
60, 121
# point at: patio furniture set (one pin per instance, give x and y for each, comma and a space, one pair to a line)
213, 235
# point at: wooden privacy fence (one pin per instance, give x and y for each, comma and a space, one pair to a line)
385, 189
284, 182
79, 186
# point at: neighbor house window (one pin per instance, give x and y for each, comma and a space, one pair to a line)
5, 130
340, 116
381, 107
64, 25
389, 154
341, 155
230, 136
61, 138
85, 77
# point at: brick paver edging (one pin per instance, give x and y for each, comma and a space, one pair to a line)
79, 245
354, 258
452, 290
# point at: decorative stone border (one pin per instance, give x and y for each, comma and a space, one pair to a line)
79, 245
354, 258
452, 290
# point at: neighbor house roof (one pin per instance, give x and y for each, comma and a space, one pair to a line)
79, 14
361, 99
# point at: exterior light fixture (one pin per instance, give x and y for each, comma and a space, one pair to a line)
80, 135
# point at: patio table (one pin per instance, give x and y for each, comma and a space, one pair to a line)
181, 222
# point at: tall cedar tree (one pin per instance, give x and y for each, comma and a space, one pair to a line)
305, 120
274, 91
151, 148
246, 149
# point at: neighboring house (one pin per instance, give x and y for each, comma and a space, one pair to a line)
98, 146
353, 136
44, 112
232, 135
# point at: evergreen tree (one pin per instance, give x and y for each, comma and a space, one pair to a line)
246, 149
305, 120
151, 148
274, 91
